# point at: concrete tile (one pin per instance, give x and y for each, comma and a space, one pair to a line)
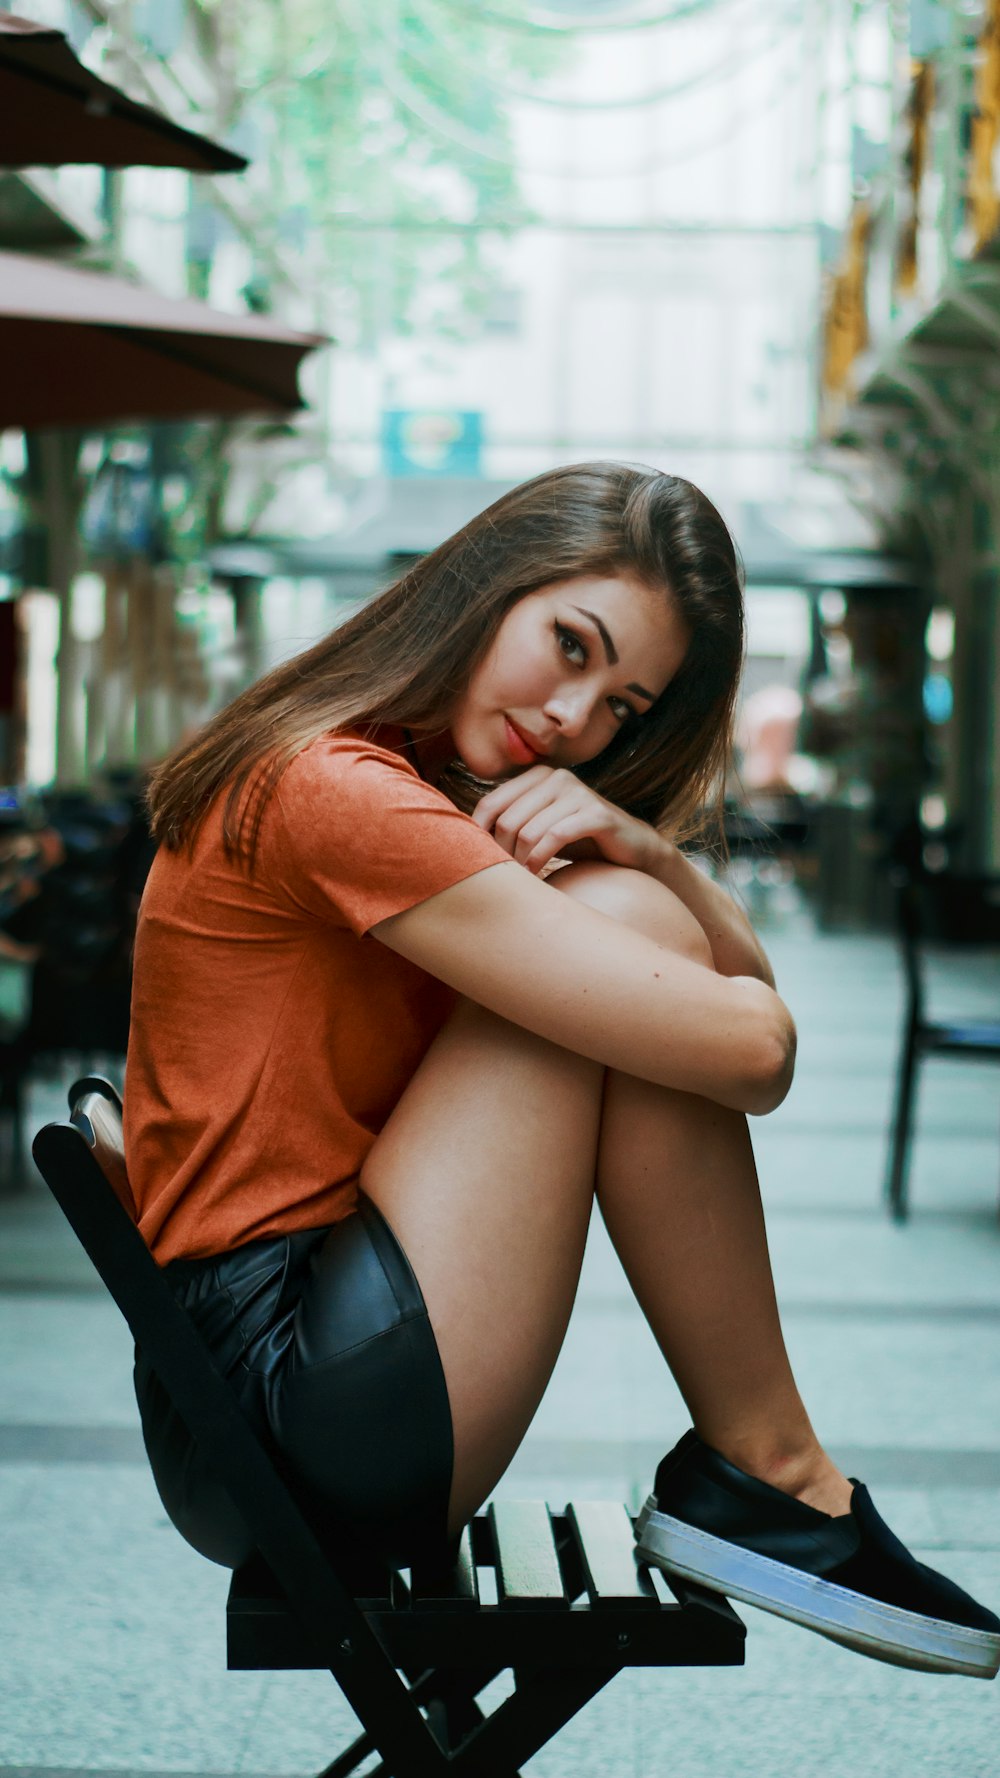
967, 1519
40, 1246
844, 1261
843, 1170
898, 1385
65, 1359
813, 1734
113, 1630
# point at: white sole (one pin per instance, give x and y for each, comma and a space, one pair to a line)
886, 1632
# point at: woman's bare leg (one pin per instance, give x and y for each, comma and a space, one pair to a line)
678, 1191
487, 1171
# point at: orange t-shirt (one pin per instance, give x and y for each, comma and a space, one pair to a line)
271, 1034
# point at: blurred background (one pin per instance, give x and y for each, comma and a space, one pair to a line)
752, 244
287, 293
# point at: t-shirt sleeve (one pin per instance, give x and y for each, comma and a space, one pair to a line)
357, 836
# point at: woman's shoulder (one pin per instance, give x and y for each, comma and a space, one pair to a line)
354, 830
346, 764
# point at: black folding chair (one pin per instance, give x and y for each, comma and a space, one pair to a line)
571, 1606
968, 910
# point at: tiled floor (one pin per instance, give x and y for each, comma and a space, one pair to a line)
111, 1629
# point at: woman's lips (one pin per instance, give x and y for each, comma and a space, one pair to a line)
520, 752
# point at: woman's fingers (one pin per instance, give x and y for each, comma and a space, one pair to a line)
560, 824
530, 804
565, 840
497, 801
545, 810
534, 802
565, 821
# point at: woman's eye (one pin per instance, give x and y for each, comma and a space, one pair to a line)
570, 644
620, 709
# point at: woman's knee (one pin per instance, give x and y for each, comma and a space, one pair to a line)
638, 901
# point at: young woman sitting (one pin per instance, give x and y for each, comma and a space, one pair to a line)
420, 970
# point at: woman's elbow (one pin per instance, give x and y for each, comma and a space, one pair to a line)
769, 1059
774, 1075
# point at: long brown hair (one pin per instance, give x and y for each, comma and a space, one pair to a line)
406, 656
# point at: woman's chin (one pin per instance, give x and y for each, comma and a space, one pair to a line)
458, 770
484, 763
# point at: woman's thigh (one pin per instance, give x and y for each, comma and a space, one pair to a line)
486, 1172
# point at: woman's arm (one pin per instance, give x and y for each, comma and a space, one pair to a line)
546, 813
582, 980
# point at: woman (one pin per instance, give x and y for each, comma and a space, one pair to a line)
384, 1052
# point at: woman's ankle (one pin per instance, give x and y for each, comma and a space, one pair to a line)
826, 1488
805, 1473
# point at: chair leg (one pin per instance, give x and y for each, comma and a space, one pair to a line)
351, 1758
542, 1703
449, 1697
902, 1127
452, 1719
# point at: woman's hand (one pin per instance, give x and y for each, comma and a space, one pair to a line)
547, 813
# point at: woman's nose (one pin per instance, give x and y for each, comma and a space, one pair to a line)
570, 709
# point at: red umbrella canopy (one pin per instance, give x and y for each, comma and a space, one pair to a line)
78, 348
53, 112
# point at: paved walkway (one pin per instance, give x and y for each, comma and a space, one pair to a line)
111, 1631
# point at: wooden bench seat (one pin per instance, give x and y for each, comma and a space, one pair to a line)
578, 1568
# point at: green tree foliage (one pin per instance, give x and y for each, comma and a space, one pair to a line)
364, 113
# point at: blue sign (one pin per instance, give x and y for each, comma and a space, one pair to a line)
431, 441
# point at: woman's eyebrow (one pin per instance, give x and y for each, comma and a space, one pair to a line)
611, 651
609, 647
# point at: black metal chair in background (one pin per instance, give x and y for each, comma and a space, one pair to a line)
953, 909
571, 1606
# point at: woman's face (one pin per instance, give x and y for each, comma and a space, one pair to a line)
570, 663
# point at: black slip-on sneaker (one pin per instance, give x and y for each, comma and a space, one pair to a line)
849, 1577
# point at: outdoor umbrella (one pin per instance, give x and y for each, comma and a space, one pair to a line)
78, 348
54, 111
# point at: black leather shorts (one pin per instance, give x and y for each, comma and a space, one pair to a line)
325, 1337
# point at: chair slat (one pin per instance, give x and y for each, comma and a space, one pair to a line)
604, 1537
528, 1573
449, 1589
980, 1035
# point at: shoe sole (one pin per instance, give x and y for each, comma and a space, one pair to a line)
885, 1632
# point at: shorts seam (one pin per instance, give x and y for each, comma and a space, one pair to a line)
405, 1314
280, 1272
322, 1364
236, 1321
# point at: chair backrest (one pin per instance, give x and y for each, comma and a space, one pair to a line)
945, 909
83, 1164
96, 1111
